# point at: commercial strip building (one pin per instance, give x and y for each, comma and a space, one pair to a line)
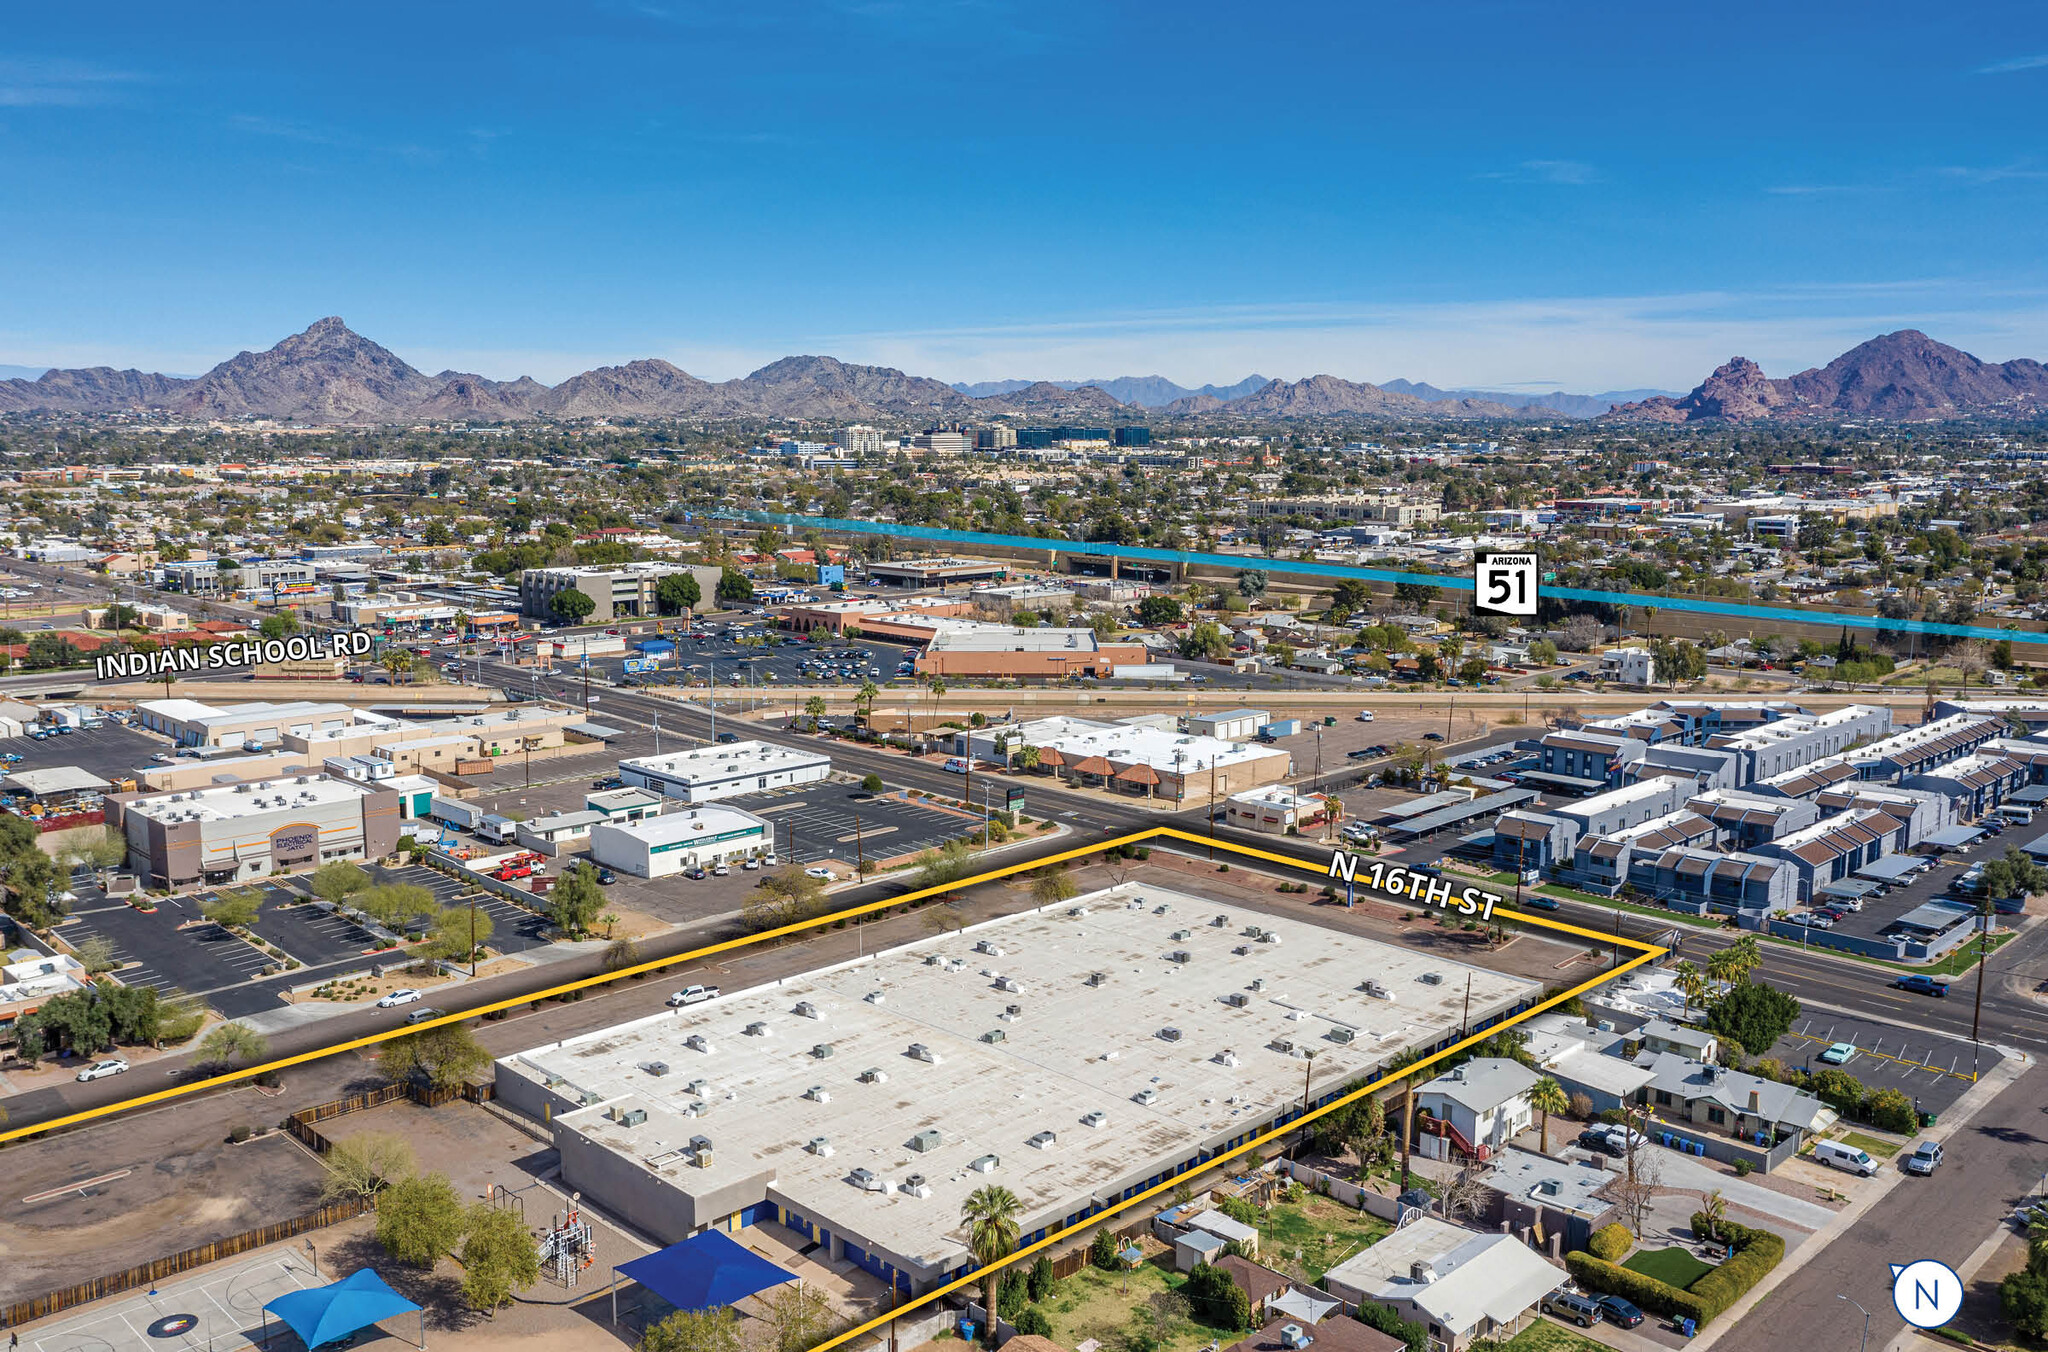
1008, 651
1135, 756
696, 837
919, 574
1074, 1055
703, 774
615, 592
230, 833
1275, 810
908, 619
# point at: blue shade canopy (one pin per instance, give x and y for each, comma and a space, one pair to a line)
705, 1271
327, 1313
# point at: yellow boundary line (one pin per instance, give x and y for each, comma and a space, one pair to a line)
1644, 953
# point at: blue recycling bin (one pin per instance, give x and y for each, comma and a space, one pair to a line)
967, 1330
1687, 1327
1665, 1138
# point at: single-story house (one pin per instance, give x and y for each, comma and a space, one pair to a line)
1483, 1102
1457, 1283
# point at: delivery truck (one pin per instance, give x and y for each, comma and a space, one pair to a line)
453, 812
1283, 727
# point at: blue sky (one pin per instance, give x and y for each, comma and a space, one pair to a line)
1510, 194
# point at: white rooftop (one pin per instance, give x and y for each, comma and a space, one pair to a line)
1078, 738
228, 802
1161, 1049
1471, 1276
722, 761
692, 823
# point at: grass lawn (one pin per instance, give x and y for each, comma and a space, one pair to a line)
1544, 1336
1609, 904
1882, 1149
1095, 1304
1673, 1267
1321, 1232
1955, 964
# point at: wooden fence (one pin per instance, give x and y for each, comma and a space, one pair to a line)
1076, 1258
150, 1273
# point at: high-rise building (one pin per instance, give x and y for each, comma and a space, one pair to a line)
1134, 436
860, 439
996, 438
943, 442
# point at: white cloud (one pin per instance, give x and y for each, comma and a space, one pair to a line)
57, 84
2017, 63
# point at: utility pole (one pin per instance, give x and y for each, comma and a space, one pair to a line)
860, 864
1212, 805
1307, 1068
1983, 953
1465, 1019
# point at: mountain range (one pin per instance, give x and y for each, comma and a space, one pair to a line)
331, 374
1898, 377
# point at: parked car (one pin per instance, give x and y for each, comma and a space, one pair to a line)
1619, 1312
720, 870
1922, 985
99, 1070
1572, 1308
1432, 737
397, 998
1596, 1138
605, 876
692, 995
1925, 1159
817, 872
1837, 1053
1848, 1158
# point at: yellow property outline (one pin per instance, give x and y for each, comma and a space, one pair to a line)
1645, 953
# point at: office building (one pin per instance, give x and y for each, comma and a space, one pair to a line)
859, 439
703, 774
621, 592
696, 837
231, 833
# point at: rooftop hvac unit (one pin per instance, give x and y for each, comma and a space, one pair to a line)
701, 1157
932, 959
956, 964
698, 1088
1242, 950
919, 1052
1161, 909
985, 1164
927, 1139
916, 1186
822, 1051
1180, 955
1009, 984
875, 997
819, 1145
1096, 979
657, 1067
1042, 1141
1431, 978
1285, 1046
1146, 1097
1077, 912
1295, 1336
989, 947
757, 1029
697, 1042
817, 1093
697, 1108
1422, 1270
1013, 1011
1251, 931
1178, 935
1238, 998
1549, 1187
1258, 982
632, 1117
805, 1010
1169, 1034
1095, 1119
865, 1179
995, 1035
1226, 1057
1268, 937
1341, 1036
873, 1075
1374, 989
1220, 922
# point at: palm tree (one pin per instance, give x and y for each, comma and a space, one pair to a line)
864, 702
991, 1214
1028, 758
937, 686
814, 709
1548, 1097
1723, 966
1692, 982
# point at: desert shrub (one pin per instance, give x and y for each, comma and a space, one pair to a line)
1610, 1242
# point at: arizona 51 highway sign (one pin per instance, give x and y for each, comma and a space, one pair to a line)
1506, 584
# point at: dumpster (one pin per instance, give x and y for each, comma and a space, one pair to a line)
1928, 1119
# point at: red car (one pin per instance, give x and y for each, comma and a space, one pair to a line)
511, 871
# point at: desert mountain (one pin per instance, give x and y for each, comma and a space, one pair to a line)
1904, 376
328, 374
1143, 391
1330, 397
1571, 405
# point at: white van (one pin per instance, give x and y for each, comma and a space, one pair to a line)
1365, 715
958, 765
2015, 814
1845, 1157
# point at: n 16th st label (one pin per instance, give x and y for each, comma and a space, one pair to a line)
1397, 882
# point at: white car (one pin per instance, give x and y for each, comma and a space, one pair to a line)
815, 872
720, 870
692, 995
397, 998
749, 864
99, 1070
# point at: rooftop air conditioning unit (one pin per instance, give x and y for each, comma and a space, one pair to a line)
1422, 1270
1258, 984
817, 1093
1251, 931
1169, 1034
865, 1180
1161, 909
1077, 912
822, 1051
1146, 1096
805, 1010
873, 1075
1237, 998
1013, 1012
1374, 989
919, 1052
932, 959
1042, 1141
1242, 950
985, 1164
1342, 1036
986, 946
994, 1035
695, 1088
632, 1117
819, 1145
1009, 984
916, 1186
1220, 922
1178, 935
1268, 937
1096, 979
1095, 1119
1431, 978
1295, 1336
1226, 1057
1285, 1046
757, 1029
1180, 955
697, 1042
927, 1139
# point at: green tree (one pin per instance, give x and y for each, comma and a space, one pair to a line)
801, 1317
228, 1043
1753, 1017
1102, 1249
1252, 583
571, 604
2024, 1298
420, 1219
458, 932
713, 1330
871, 784
279, 624
677, 593
789, 896
864, 702
399, 906
234, 910
1052, 886
576, 899
1548, 1097
1205, 642
735, 587
337, 881
499, 1256
947, 864
443, 1057
1155, 611
365, 1164
814, 709
991, 1214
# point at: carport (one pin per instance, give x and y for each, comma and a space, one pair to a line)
1849, 890
1934, 917
1954, 837
706, 1270
1894, 868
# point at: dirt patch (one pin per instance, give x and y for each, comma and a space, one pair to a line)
357, 989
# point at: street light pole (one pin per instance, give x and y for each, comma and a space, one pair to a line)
1865, 1344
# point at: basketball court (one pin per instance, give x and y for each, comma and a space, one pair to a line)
220, 1313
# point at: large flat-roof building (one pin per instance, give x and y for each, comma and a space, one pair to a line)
1002, 650
231, 833
626, 590
188, 722
1132, 756
1074, 1055
933, 572
660, 847
703, 774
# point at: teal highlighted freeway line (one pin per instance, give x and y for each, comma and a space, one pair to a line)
1698, 605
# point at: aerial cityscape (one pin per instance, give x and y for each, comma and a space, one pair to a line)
609, 743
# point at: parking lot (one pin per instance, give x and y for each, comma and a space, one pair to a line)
313, 933
787, 659
197, 960
1932, 1069
514, 928
111, 751
1880, 911
814, 822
